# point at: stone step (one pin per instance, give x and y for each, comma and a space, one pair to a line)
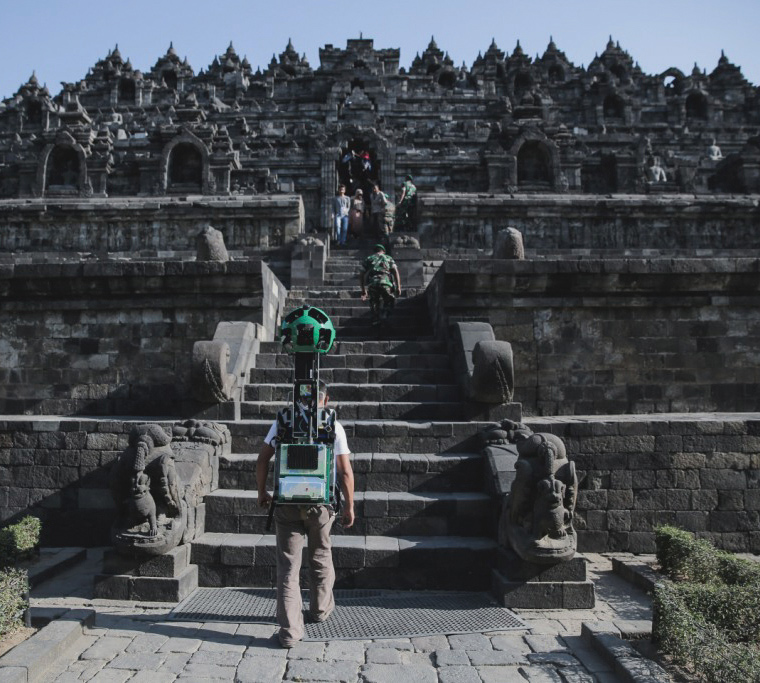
396, 410
405, 472
328, 294
395, 562
389, 361
365, 347
385, 393
378, 513
359, 375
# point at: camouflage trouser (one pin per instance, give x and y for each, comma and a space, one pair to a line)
381, 300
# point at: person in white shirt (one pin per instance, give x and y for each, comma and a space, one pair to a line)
292, 523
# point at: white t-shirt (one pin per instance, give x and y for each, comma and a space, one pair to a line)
339, 448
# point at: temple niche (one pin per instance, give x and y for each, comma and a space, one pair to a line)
185, 171
534, 166
696, 106
62, 171
127, 91
613, 109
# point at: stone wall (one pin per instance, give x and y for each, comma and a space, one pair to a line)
131, 225
698, 472
116, 337
593, 336
571, 221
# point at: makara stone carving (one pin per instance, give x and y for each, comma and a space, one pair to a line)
537, 519
159, 481
210, 245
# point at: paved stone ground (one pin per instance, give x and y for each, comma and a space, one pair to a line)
134, 642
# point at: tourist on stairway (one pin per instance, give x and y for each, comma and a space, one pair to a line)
341, 207
356, 215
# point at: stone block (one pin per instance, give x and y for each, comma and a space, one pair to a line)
165, 589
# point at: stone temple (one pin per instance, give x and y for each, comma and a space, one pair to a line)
583, 260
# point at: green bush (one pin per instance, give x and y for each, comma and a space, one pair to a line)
14, 588
19, 541
695, 642
685, 558
710, 619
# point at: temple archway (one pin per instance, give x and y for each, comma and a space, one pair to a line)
534, 165
127, 91
358, 166
696, 106
185, 169
63, 170
34, 112
170, 78
613, 108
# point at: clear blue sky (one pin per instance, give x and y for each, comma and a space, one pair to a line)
61, 39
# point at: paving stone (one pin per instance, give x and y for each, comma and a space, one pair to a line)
507, 643
188, 645
348, 650
106, 648
174, 663
546, 643
416, 658
111, 676
458, 674
338, 672
496, 657
308, 650
383, 655
226, 643
259, 669
536, 674
65, 677
451, 658
430, 643
393, 673
470, 641
152, 677
212, 671
398, 643
500, 674
147, 642
220, 657
137, 661
256, 630
544, 626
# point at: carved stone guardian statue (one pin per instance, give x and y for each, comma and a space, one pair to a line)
537, 520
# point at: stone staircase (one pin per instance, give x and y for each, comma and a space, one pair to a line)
422, 517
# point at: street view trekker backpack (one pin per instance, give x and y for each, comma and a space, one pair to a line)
304, 466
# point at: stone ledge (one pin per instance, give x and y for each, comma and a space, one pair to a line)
629, 664
636, 572
29, 660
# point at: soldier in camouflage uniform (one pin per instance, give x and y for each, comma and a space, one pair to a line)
380, 276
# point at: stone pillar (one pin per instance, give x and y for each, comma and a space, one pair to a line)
497, 172
388, 172
330, 157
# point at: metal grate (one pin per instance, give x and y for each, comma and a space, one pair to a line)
360, 614
303, 457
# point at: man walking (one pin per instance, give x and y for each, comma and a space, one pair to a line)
380, 277
292, 523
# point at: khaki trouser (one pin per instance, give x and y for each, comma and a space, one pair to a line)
292, 523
